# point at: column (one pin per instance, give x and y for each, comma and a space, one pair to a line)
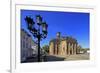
74, 48
60, 50
65, 48
56, 50
51, 49
68, 48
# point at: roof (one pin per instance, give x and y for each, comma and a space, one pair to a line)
25, 32
65, 38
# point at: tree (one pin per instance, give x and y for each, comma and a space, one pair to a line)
46, 48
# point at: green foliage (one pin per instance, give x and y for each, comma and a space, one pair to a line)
46, 48
84, 49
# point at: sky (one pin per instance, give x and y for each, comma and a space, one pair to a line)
75, 24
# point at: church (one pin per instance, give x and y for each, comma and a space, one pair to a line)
63, 45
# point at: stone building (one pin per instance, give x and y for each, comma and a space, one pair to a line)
63, 45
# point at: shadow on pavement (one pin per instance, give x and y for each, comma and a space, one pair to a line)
54, 58
29, 60
47, 58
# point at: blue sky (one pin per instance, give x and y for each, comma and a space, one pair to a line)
73, 24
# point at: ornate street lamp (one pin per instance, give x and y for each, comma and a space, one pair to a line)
36, 31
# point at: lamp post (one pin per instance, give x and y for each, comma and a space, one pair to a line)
39, 32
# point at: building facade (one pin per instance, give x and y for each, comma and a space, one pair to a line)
34, 47
63, 45
26, 45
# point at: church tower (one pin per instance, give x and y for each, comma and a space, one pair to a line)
57, 45
58, 35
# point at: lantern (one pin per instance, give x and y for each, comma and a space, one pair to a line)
44, 27
39, 19
30, 22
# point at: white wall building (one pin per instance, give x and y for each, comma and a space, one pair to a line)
34, 47
26, 45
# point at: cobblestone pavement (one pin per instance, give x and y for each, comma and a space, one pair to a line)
49, 58
76, 57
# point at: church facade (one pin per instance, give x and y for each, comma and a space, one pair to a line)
63, 45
